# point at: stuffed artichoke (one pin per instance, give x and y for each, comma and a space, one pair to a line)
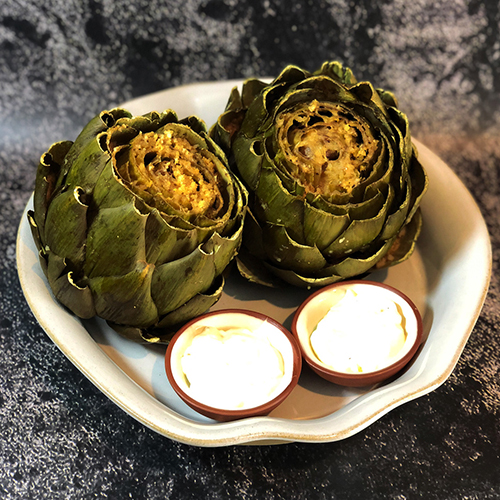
334, 179
136, 221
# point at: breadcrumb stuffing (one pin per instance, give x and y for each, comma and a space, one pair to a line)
328, 150
167, 165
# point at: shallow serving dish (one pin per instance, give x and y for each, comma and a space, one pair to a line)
280, 338
317, 305
447, 278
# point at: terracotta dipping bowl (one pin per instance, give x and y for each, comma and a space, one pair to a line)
280, 338
316, 306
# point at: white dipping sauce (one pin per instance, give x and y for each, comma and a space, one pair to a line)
364, 331
233, 368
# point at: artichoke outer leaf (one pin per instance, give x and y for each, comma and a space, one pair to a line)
223, 249
359, 233
285, 252
420, 184
296, 279
322, 228
404, 244
357, 265
252, 236
133, 333
401, 128
320, 88
248, 156
234, 101
35, 232
250, 89
47, 177
289, 75
397, 219
174, 283
254, 270
164, 242
255, 115
366, 93
337, 71
66, 226
126, 299
228, 124
372, 206
195, 124
56, 267
195, 306
110, 191
100, 123
115, 241
76, 298
274, 204
87, 166
388, 98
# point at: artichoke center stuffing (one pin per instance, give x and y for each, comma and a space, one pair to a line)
326, 148
169, 167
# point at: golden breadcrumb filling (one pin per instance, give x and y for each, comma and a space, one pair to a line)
169, 167
327, 149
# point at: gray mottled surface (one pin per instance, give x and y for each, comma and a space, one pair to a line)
61, 62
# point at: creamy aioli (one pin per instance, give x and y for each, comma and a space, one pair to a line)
233, 368
362, 332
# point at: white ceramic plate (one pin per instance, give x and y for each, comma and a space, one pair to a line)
447, 278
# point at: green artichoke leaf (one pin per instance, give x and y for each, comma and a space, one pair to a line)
357, 265
66, 226
404, 243
136, 334
420, 184
110, 191
193, 124
35, 231
321, 228
56, 266
252, 236
126, 299
256, 271
195, 306
296, 279
227, 124
76, 298
372, 206
365, 92
277, 206
388, 98
316, 88
397, 218
289, 75
115, 241
360, 232
251, 88
165, 242
401, 130
87, 166
337, 71
248, 153
175, 282
47, 178
103, 121
223, 248
65, 287
284, 251
235, 101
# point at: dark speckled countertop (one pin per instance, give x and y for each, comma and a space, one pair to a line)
61, 62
